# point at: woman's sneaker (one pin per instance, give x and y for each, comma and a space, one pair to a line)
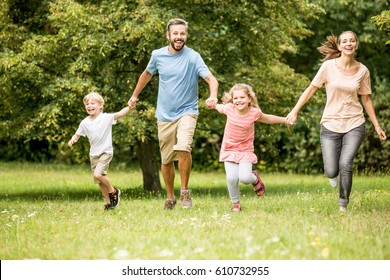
334, 181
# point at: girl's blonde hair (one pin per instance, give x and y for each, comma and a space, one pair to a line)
228, 96
94, 96
330, 48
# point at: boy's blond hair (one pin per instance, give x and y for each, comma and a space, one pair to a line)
94, 96
228, 96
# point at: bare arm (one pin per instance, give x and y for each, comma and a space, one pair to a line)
305, 96
270, 119
369, 107
121, 113
211, 102
219, 108
73, 140
143, 80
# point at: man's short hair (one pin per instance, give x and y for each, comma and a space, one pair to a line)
176, 21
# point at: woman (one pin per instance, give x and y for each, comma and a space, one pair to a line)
342, 124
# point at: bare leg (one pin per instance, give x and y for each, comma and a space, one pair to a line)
168, 172
105, 186
185, 164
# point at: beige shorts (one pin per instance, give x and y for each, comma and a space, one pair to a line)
176, 136
100, 164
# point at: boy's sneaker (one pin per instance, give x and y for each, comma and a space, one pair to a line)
115, 197
108, 207
169, 204
334, 181
185, 197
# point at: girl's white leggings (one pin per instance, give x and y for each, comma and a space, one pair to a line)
235, 173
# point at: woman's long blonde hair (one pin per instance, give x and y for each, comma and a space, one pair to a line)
330, 48
228, 96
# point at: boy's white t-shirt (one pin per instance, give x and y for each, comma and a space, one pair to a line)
99, 133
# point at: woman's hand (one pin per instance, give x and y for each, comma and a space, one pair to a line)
381, 133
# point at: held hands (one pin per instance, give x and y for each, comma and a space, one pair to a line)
291, 118
211, 102
131, 102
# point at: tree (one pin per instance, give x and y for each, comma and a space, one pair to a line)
54, 52
383, 22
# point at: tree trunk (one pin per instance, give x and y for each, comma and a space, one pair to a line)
150, 169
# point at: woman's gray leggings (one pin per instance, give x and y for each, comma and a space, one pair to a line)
338, 153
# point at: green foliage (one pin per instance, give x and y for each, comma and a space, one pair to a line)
383, 22
52, 53
79, 46
374, 155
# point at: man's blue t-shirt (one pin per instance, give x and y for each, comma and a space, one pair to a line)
178, 82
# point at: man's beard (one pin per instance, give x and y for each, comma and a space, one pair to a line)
178, 49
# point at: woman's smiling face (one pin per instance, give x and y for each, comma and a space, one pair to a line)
348, 44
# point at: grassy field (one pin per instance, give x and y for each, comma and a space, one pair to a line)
56, 212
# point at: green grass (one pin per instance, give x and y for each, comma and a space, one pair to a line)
56, 212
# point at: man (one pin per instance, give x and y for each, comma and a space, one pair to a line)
179, 68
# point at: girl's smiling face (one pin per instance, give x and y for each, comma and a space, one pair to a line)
241, 101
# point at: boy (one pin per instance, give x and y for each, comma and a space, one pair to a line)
97, 127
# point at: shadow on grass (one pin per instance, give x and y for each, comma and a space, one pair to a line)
60, 194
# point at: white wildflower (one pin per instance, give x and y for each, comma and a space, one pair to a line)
275, 239
165, 253
121, 254
32, 214
198, 250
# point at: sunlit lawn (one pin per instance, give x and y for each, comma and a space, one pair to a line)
56, 212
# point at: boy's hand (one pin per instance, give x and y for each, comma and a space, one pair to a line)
70, 143
73, 141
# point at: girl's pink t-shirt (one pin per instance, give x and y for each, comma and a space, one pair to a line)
237, 143
343, 110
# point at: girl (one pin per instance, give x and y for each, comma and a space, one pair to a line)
237, 151
342, 124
